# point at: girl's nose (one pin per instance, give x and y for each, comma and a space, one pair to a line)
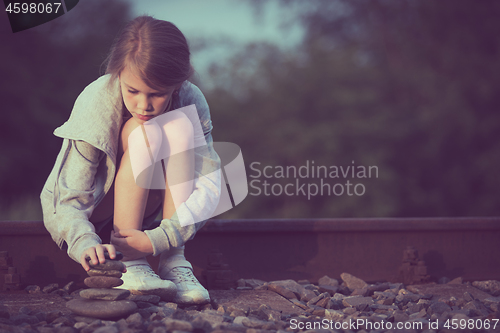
144, 104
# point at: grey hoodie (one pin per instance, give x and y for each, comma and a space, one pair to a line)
86, 165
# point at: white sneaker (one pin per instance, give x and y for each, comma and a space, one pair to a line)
140, 279
178, 270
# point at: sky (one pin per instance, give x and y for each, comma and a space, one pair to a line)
236, 20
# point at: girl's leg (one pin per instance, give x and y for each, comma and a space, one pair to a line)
179, 170
130, 205
131, 202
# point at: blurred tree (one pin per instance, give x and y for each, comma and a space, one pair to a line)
409, 86
42, 72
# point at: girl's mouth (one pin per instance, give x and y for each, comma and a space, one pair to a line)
145, 118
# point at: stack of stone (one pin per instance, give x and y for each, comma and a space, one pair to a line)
101, 300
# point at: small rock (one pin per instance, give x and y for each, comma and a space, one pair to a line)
420, 314
177, 325
372, 288
458, 280
33, 289
106, 329
360, 292
334, 304
80, 325
353, 282
400, 316
109, 265
153, 299
102, 282
328, 281
316, 299
349, 311
298, 303
323, 302
24, 318
253, 322
334, 315
64, 320
288, 294
289, 285
328, 289
134, 318
100, 272
438, 308
101, 308
307, 295
320, 312
338, 296
60, 292
50, 288
468, 296
69, 287
254, 283
478, 306
170, 305
262, 287
105, 294
239, 320
491, 286
355, 301
344, 290
52, 315
241, 283
213, 319
24, 310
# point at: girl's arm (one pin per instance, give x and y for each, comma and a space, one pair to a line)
68, 200
202, 203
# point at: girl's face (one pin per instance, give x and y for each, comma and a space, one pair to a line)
143, 102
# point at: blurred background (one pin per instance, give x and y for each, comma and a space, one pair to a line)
411, 87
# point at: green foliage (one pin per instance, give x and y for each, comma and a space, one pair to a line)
42, 72
408, 86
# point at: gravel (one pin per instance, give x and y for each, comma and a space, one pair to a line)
336, 304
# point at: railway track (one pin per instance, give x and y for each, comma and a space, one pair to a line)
274, 249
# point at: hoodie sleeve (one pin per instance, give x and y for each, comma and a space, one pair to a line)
202, 203
72, 187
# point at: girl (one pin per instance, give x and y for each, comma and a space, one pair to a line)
93, 184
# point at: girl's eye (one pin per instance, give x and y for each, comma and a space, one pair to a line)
133, 91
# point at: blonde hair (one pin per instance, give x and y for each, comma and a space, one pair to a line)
155, 50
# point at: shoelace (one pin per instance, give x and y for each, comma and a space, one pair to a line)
147, 270
183, 274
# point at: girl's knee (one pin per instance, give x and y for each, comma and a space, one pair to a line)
179, 131
127, 128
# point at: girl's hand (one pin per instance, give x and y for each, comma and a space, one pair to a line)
96, 255
134, 244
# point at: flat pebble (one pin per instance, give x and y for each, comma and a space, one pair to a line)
109, 265
100, 272
105, 294
100, 308
102, 282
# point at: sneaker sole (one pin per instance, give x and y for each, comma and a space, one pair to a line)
166, 295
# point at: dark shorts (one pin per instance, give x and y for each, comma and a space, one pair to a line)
103, 229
